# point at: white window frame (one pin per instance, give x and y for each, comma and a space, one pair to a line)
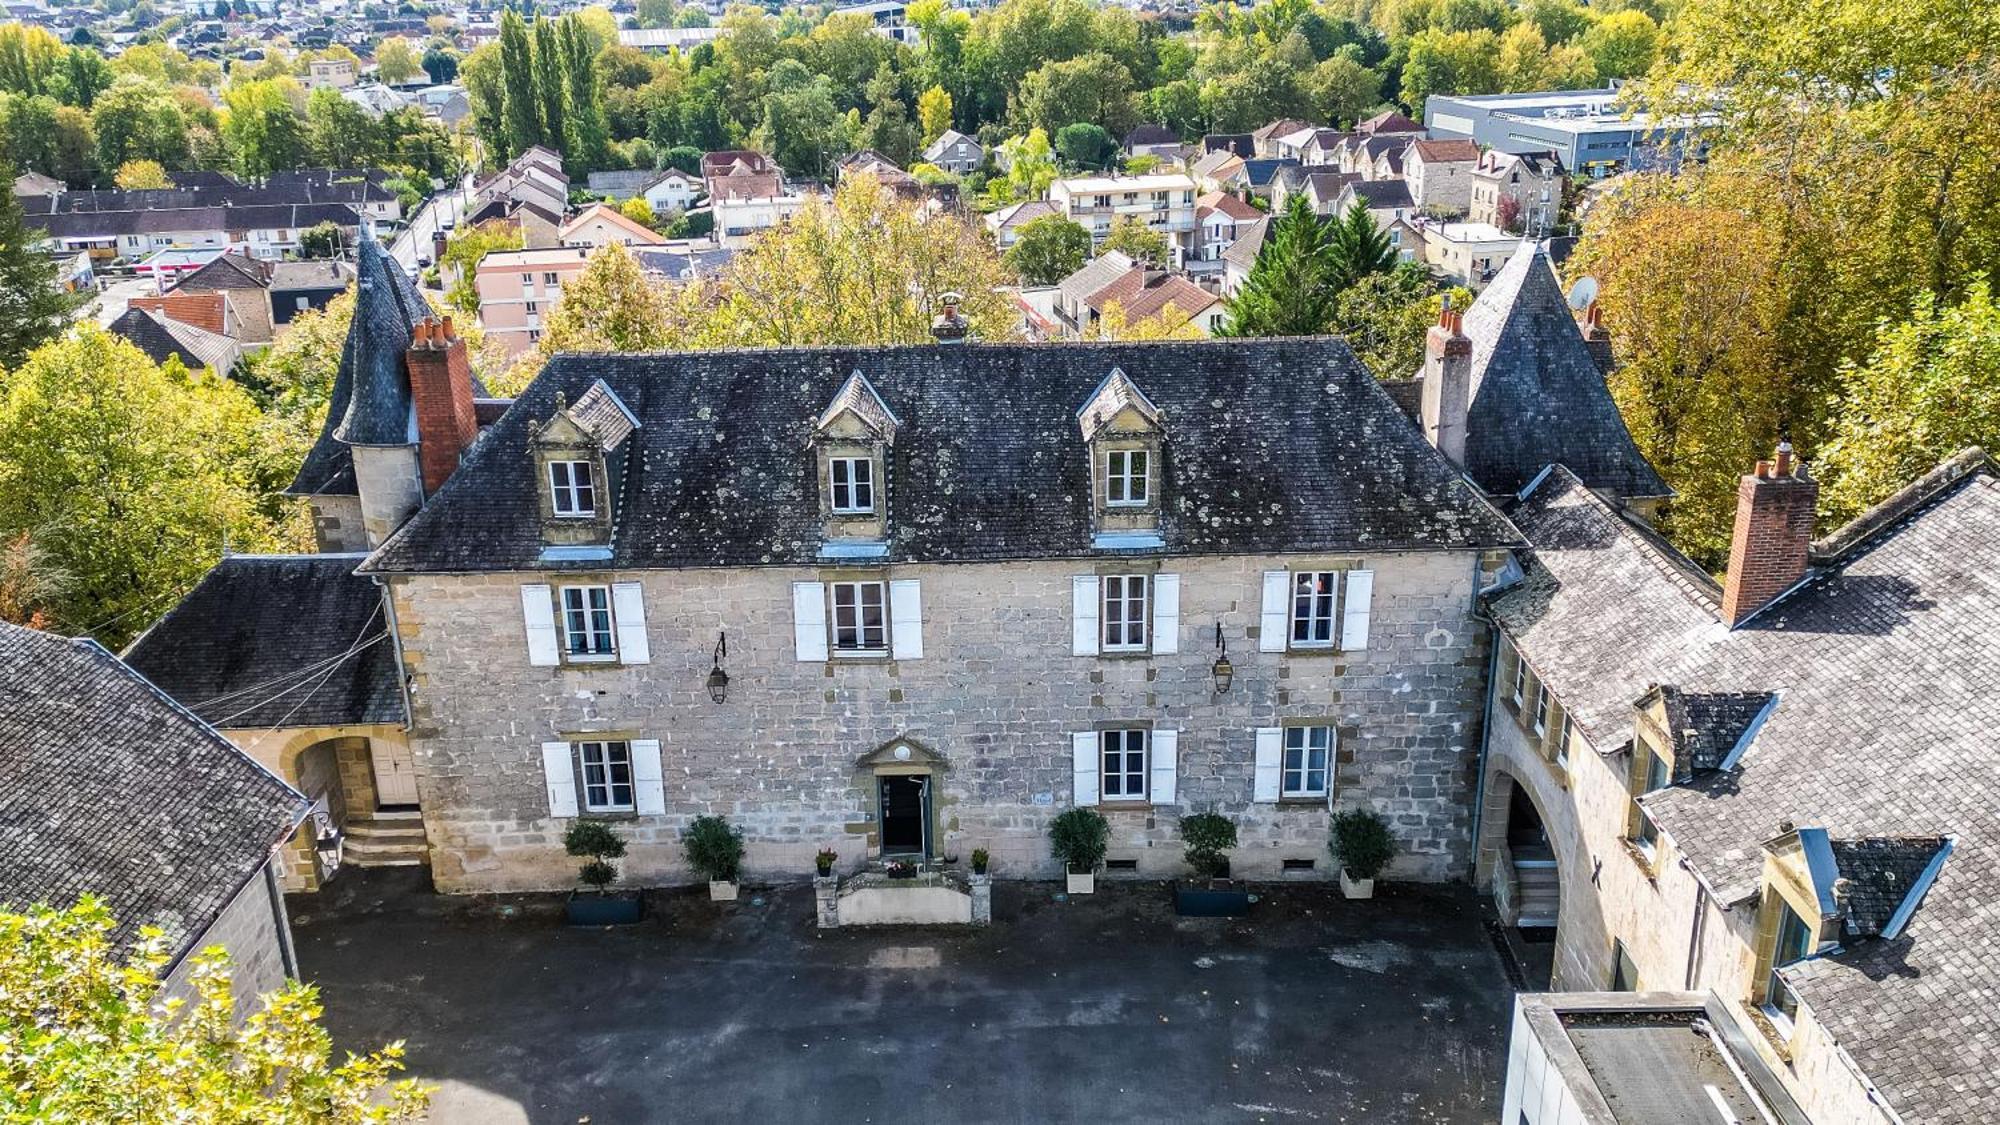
1120, 742
1300, 740
1563, 739
1122, 610
1776, 991
1519, 688
550, 278
860, 474
1311, 618
533, 308
598, 622
608, 786
1124, 488
856, 596
564, 488
1541, 710
1647, 837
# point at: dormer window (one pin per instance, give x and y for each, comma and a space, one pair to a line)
1126, 478
572, 489
852, 482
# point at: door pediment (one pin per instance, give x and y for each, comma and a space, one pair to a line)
901, 752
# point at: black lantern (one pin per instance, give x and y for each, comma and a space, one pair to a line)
1223, 670
718, 680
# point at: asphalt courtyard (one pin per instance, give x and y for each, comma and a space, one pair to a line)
1103, 1008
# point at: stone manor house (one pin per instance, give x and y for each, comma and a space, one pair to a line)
913, 601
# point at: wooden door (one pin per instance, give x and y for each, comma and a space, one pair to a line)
395, 774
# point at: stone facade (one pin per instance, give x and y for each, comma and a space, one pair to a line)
996, 697
334, 763
254, 931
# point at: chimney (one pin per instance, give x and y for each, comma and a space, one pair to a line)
441, 388
1447, 384
1774, 523
1597, 339
949, 327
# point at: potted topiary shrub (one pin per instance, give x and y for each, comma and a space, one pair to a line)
979, 861
1361, 845
1207, 838
825, 860
715, 851
1079, 838
595, 841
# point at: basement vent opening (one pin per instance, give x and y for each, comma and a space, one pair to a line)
1121, 865
1299, 864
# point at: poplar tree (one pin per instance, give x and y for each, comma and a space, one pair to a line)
549, 84
520, 108
588, 133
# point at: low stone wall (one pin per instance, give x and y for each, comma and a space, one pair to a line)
927, 900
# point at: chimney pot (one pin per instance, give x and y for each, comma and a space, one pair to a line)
450, 333
1770, 545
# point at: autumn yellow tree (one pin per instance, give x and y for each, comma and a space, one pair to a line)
136, 175
934, 112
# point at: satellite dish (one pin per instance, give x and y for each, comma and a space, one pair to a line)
1583, 293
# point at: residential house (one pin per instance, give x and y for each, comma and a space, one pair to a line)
954, 152
518, 288
210, 312
1006, 223
1390, 123
1242, 255
746, 204
733, 162
1323, 148
1386, 200
1241, 144
33, 187
269, 232
1440, 176
1261, 176
1322, 190
110, 788
330, 74
1072, 297
375, 99
1152, 140
665, 191
448, 104
163, 338
1145, 294
1219, 218
531, 192
889, 173
302, 287
1220, 170
603, 225
244, 283
1264, 141
1468, 254
1164, 203
1510, 190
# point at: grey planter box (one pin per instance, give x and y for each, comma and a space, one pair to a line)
603, 910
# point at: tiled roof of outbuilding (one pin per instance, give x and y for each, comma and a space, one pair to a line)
1271, 445
1886, 674
276, 641
108, 788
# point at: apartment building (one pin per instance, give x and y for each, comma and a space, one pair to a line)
1163, 202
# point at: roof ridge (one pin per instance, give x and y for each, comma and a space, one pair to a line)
1688, 577
1865, 530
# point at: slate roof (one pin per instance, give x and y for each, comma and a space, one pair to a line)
1241, 144
385, 311
1886, 671
1249, 242
1150, 134
1446, 151
160, 337
263, 641
225, 272
1271, 446
1706, 726
1538, 397
110, 224
1093, 276
288, 276
1377, 194
107, 787
1881, 873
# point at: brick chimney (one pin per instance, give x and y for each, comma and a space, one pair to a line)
1597, 339
1447, 384
441, 388
948, 327
1774, 525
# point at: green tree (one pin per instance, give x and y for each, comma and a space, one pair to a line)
1450, 62
321, 241
339, 133
33, 307
1290, 290
589, 139
87, 1034
889, 130
263, 130
520, 104
1385, 316
1095, 88
1048, 249
396, 61
1084, 145
1031, 168
138, 119
1343, 90
551, 90
1137, 241
131, 476
802, 127
1931, 388
1623, 45
934, 113
1358, 246
462, 255
610, 305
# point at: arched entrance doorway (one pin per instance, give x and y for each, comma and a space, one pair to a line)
1518, 867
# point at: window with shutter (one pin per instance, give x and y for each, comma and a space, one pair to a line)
860, 618
1125, 615
1124, 771
607, 776
1265, 784
1307, 754
809, 620
586, 624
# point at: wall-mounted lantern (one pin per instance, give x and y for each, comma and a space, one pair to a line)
1223, 670
718, 680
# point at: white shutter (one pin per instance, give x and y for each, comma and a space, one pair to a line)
1274, 625
538, 613
1083, 615
628, 609
1332, 757
1083, 761
649, 793
1166, 765
1166, 613
906, 618
561, 778
1354, 618
809, 620
1270, 759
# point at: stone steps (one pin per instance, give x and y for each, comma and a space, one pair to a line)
387, 839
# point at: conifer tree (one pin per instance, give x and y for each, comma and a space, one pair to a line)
1290, 290
33, 308
520, 107
1359, 247
588, 132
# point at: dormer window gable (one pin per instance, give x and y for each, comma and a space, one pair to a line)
578, 457
851, 442
1124, 438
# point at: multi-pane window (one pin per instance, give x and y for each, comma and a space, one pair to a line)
853, 480
1541, 709
1306, 752
860, 617
1125, 477
1564, 739
1795, 943
587, 621
1125, 764
1125, 598
607, 776
1313, 596
1519, 689
551, 279
1647, 836
573, 488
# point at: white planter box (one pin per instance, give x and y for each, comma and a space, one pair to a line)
1083, 884
721, 892
1356, 888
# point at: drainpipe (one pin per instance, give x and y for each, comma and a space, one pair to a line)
1485, 720
396, 642
1695, 929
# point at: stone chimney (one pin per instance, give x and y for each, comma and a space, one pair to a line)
949, 327
1447, 384
441, 392
1597, 338
1774, 524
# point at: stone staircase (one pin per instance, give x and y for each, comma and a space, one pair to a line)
1537, 890
386, 839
